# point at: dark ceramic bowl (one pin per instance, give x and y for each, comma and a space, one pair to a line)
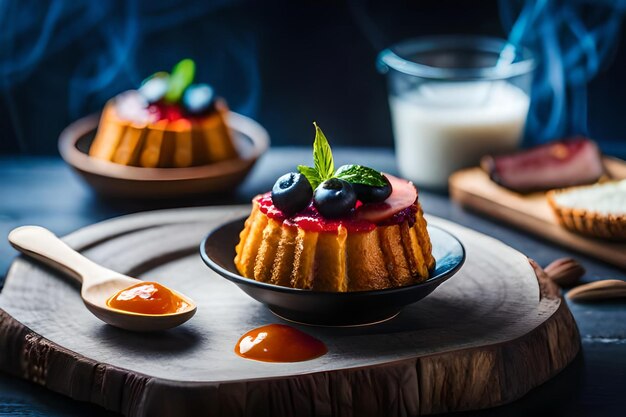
330, 308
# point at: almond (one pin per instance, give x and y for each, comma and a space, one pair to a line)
565, 272
599, 290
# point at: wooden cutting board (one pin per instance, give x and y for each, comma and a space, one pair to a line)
483, 338
473, 189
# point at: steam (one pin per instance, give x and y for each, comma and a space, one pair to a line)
572, 40
109, 38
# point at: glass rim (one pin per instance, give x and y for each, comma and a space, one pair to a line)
391, 58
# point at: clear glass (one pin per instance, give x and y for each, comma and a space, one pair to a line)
454, 99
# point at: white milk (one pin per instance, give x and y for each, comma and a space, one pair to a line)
442, 127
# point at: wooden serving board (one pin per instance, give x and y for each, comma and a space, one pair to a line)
473, 189
485, 337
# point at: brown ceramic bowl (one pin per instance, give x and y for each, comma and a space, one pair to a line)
118, 180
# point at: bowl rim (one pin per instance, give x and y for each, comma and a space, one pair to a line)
82, 161
239, 279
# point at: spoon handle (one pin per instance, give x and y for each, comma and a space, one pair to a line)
41, 244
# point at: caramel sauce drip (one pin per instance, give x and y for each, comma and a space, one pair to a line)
147, 298
279, 343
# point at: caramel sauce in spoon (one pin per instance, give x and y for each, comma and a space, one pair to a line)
147, 298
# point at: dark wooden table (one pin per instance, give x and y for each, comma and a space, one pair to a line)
44, 191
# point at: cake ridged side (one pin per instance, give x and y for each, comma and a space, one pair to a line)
282, 268
131, 141
215, 137
423, 242
163, 144
250, 242
388, 256
264, 261
109, 136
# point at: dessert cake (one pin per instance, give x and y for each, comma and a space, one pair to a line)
168, 122
352, 229
598, 210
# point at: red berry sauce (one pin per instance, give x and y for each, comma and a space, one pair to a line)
169, 112
311, 220
132, 106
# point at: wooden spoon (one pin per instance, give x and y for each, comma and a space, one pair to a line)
98, 283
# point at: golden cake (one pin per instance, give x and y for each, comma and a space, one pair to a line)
167, 123
598, 210
327, 234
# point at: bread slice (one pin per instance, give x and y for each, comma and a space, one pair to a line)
598, 210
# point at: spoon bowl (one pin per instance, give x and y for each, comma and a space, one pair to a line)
98, 283
96, 296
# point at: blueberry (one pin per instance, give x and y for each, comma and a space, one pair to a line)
370, 194
199, 99
154, 88
291, 193
334, 198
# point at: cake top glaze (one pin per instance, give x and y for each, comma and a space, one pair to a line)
310, 218
168, 96
323, 199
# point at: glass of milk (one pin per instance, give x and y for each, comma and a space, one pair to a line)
453, 100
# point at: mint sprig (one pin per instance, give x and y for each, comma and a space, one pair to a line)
181, 77
322, 155
311, 175
358, 174
324, 166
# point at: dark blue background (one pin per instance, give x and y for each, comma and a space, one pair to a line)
283, 63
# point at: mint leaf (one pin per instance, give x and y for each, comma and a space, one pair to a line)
323, 164
181, 77
322, 155
358, 174
311, 175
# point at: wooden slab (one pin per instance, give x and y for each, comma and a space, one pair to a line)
485, 337
473, 189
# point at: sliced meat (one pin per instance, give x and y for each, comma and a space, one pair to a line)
559, 164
